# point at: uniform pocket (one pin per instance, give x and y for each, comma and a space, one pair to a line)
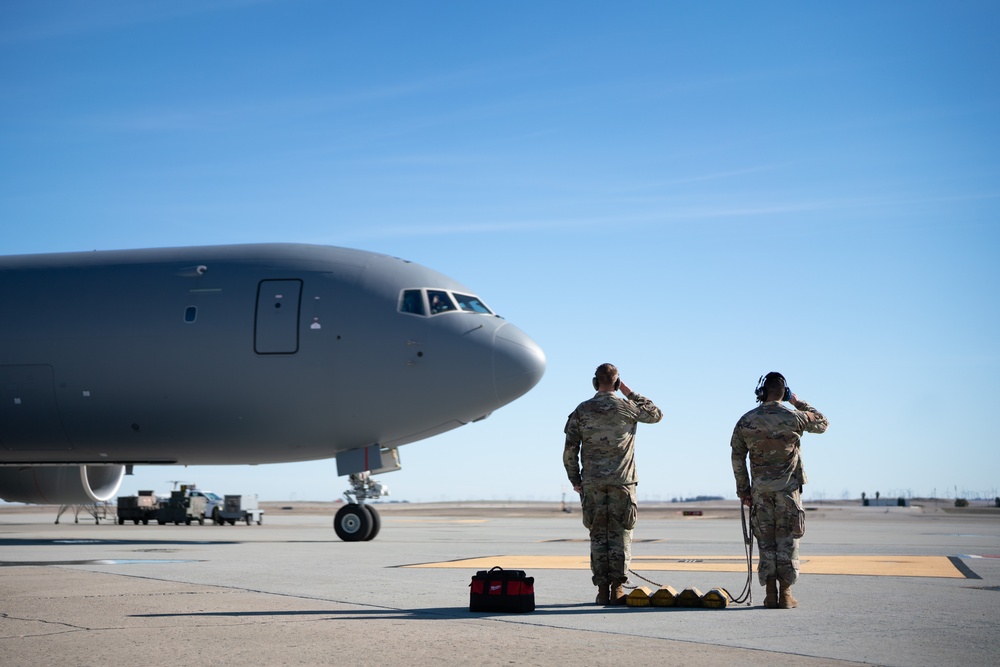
631, 515
755, 524
797, 520
630, 511
589, 509
799, 525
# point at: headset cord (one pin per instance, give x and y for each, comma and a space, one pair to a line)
747, 594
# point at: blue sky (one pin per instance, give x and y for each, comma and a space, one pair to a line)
697, 192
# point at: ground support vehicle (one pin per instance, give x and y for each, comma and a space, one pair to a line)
212, 500
240, 508
181, 507
140, 508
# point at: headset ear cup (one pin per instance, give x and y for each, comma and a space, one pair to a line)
596, 385
618, 384
788, 394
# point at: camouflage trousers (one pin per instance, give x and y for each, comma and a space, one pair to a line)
778, 522
609, 512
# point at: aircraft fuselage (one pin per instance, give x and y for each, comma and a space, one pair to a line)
238, 354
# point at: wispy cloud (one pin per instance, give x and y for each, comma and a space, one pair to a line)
236, 110
666, 215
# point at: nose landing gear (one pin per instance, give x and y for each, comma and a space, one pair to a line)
356, 521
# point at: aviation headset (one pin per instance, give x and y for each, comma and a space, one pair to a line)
761, 394
618, 381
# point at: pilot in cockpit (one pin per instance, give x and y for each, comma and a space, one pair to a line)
440, 303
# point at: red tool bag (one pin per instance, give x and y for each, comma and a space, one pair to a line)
502, 590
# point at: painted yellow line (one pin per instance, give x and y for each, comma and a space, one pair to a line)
886, 566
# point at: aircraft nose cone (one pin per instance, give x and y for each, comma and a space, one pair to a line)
518, 363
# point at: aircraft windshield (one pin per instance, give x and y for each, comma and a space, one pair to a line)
440, 301
427, 302
412, 302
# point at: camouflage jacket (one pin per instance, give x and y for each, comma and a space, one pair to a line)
600, 433
771, 434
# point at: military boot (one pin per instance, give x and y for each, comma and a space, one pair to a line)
618, 595
603, 594
771, 598
785, 599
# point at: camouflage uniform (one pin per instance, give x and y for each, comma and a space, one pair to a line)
770, 433
601, 434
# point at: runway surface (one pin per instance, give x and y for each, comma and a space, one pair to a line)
888, 586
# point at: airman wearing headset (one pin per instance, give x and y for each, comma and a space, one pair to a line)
771, 434
600, 435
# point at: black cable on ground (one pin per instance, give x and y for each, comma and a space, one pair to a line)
746, 595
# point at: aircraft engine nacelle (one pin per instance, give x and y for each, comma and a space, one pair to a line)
60, 485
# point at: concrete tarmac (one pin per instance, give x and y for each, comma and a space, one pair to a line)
288, 592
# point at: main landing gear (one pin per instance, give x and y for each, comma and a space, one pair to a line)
356, 521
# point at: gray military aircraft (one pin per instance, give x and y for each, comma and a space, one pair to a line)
241, 354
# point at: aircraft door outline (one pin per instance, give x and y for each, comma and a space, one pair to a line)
276, 326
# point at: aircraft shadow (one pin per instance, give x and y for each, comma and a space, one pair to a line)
78, 542
437, 613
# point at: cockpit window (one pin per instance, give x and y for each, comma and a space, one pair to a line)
471, 304
412, 301
440, 301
